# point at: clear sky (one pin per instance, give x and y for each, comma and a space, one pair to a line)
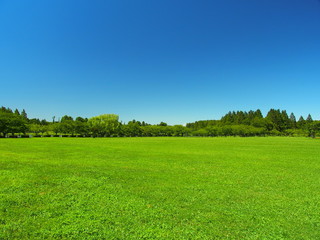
176, 61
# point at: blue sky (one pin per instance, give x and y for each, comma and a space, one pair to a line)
176, 61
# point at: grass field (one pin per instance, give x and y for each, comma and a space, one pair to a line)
160, 188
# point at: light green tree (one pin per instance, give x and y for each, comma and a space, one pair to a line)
104, 125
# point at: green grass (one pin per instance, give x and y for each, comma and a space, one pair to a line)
160, 188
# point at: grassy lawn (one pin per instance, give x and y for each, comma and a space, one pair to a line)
160, 188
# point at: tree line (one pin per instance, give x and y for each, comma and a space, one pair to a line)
252, 123
236, 123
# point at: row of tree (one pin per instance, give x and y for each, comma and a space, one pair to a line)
240, 123
253, 123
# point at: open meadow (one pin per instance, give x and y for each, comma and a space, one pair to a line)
160, 188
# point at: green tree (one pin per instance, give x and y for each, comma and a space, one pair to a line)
104, 125
259, 122
35, 128
17, 112
81, 128
309, 119
6, 110
44, 122
313, 128
67, 127
258, 113
56, 128
66, 118
35, 121
293, 121
4, 122
180, 131
277, 119
133, 129
44, 129
301, 123
24, 114
12, 123
201, 132
80, 119
163, 124
285, 120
